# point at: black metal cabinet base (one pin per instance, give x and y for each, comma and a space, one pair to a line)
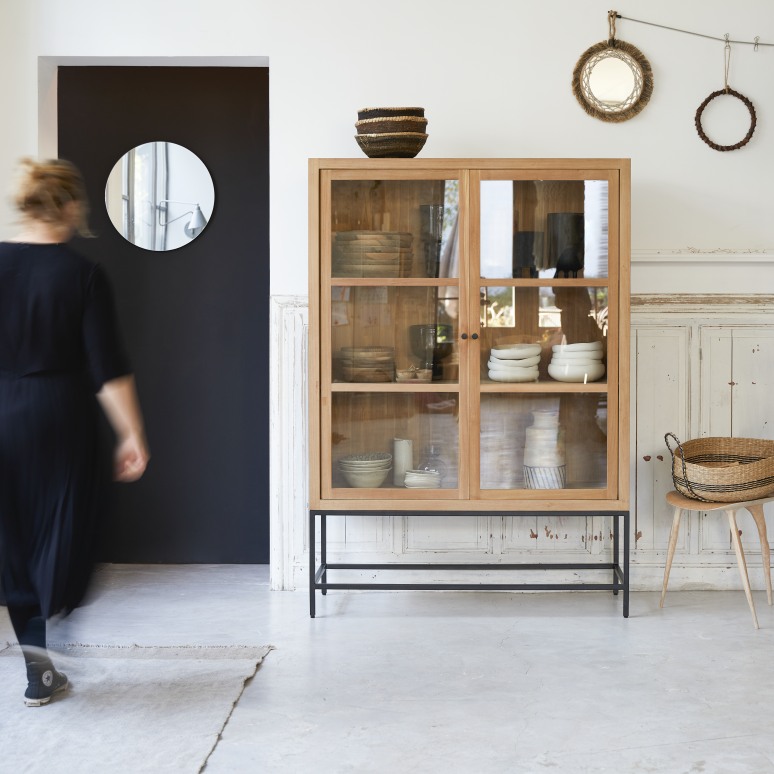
619, 567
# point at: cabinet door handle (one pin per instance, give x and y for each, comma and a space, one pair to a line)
474, 336
464, 336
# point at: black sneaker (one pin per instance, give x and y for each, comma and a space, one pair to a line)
43, 682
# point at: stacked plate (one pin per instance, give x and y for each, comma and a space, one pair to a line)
580, 362
367, 364
514, 363
366, 470
423, 479
372, 254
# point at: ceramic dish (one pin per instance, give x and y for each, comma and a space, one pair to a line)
422, 479
513, 375
590, 354
579, 347
576, 373
526, 362
515, 351
368, 457
566, 361
375, 465
366, 479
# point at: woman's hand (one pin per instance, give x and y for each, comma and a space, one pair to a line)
119, 401
130, 459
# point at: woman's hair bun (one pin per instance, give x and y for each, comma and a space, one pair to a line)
45, 188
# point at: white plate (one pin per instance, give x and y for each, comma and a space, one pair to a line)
576, 373
514, 375
586, 346
368, 457
589, 354
526, 362
515, 351
578, 361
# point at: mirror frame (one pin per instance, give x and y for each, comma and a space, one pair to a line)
627, 53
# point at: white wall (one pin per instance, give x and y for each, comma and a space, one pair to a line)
494, 78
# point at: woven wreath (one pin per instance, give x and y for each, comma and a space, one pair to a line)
753, 120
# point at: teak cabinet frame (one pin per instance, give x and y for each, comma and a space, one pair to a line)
468, 497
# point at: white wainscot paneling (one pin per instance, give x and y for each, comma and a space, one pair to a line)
661, 377
702, 366
434, 535
355, 535
288, 439
546, 534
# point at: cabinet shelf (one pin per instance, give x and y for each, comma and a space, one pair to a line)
485, 386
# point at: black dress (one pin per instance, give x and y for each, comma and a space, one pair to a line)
59, 343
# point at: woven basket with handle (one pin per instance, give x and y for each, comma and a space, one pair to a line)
722, 470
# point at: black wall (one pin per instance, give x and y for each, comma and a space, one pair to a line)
195, 319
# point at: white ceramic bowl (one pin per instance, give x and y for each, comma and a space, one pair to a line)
515, 351
513, 374
576, 373
363, 469
525, 362
368, 457
366, 462
590, 354
584, 346
578, 361
365, 479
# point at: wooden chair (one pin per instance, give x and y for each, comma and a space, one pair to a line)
681, 503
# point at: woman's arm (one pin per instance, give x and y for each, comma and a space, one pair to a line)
119, 401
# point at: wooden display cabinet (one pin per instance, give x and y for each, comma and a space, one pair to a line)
425, 275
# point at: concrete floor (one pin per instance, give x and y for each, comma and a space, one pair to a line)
462, 682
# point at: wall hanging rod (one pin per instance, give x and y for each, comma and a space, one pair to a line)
755, 43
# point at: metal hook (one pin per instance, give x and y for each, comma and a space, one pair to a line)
757, 38
726, 60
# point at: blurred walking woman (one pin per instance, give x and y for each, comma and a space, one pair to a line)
61, 357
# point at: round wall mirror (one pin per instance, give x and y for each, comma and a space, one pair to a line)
612, 81
159, 196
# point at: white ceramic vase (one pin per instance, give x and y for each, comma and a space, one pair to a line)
544, 452
402, 459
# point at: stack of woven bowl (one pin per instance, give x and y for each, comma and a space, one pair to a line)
391, 132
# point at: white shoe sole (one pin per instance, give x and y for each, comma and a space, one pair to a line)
46, 699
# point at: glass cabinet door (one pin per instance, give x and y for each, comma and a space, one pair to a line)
390, 362
394, 228
540, 273
544, 228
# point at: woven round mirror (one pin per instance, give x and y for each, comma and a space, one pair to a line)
612, 80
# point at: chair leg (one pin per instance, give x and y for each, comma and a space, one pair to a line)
740, 560
760, 520
671, 552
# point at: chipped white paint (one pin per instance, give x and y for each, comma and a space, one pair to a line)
702, 365
288, 437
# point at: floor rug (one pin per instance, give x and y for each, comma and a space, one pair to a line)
129, 709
